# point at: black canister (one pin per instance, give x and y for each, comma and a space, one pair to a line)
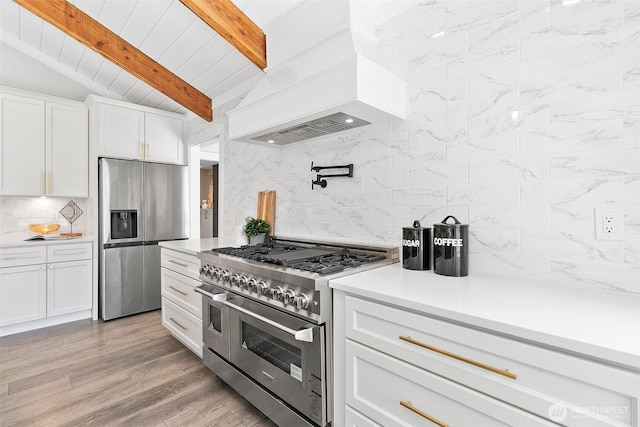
416, 247
451, 248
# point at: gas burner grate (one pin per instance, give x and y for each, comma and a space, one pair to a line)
315, 259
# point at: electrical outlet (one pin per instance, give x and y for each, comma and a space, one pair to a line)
609, 224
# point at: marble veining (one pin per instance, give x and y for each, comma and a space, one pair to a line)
523, 117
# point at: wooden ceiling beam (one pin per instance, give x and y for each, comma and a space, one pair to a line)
77, 24
234, 26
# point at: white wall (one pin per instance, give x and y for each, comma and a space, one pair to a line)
527, 187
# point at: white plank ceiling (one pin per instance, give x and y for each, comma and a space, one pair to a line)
165, 30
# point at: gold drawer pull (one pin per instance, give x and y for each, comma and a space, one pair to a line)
181, 264
178, 291
504, 372
410, 407
177, 323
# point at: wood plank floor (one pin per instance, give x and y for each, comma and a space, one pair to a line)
125, 372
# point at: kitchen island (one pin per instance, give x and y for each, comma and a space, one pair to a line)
571, 354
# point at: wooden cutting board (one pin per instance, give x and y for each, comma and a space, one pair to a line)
267, 208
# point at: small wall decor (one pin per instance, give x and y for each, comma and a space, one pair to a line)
71, 211
320, 178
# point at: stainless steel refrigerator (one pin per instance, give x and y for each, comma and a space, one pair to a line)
140, 204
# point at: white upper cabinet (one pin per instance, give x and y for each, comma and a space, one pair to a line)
22, 145
67, 148
163, 135
129, 131
120, 132
44, 147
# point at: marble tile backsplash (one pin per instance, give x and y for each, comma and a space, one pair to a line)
16, 213
523, 117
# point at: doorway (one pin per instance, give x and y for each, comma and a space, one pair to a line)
209, 190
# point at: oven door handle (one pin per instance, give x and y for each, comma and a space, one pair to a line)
203, 292
219, 297
305, 335
215, 297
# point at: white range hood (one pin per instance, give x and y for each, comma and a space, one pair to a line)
322, 77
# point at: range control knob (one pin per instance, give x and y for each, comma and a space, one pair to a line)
302, 301
276, 293
262, 287
203, 270
234, 279
243, 282
252, 285
209, 271
289, 296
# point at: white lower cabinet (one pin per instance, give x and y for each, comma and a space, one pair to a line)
183, 325
67, 290
396, 393
181, 304
354, 418
403, 367
42, 282
23, 294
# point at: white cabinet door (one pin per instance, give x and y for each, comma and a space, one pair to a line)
163, 137
22, 144
23, 293
67, 150
68, 287
120, 132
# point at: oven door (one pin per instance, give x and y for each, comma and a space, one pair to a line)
215, 319
284, 354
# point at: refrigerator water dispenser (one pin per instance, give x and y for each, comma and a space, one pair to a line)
124, 224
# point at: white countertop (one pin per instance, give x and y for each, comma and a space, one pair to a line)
600, 324
192, 247
18, 239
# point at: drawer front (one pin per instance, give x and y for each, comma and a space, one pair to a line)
180, 290
180, 262
395, 393
547, 382
69, 252
183, 325
23, 255
353, 418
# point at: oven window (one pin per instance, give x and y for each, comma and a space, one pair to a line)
271, 349
215, 318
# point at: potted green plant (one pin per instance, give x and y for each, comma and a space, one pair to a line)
256, 230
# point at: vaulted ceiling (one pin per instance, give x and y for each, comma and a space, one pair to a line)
37, 56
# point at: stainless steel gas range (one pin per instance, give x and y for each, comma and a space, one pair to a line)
267, 313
